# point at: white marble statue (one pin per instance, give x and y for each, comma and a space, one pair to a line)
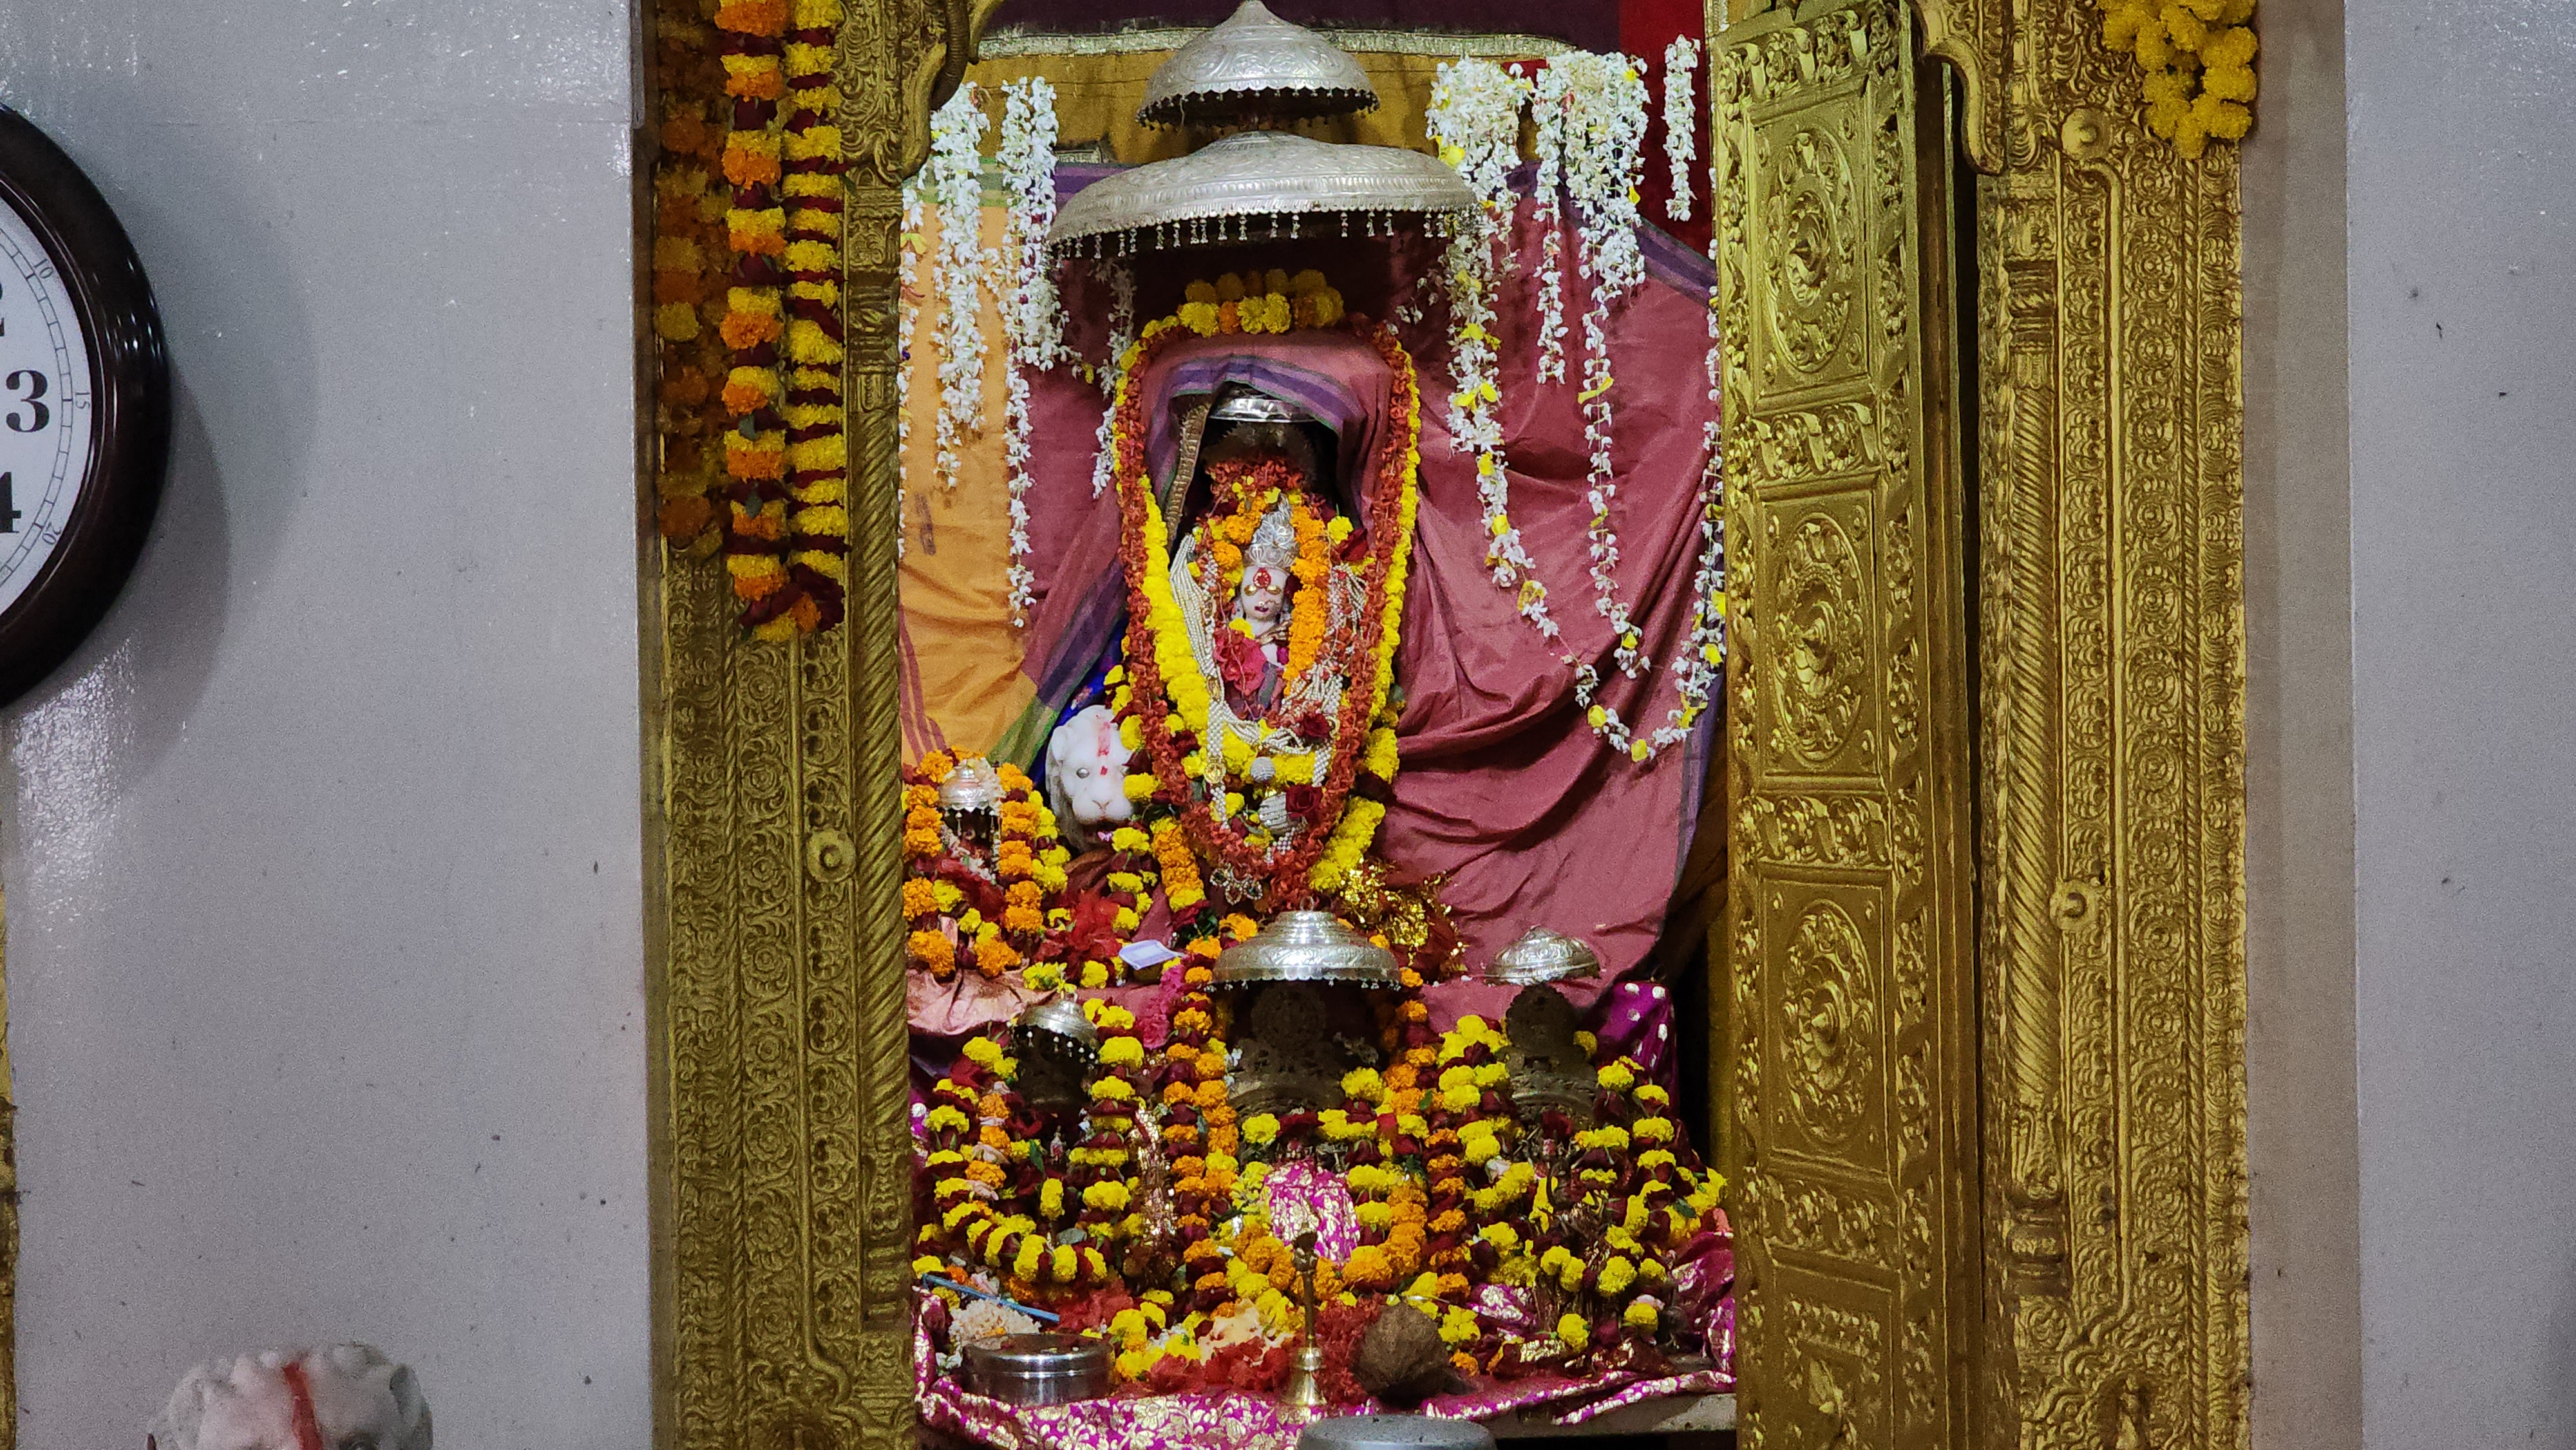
346, 1397
1087, 776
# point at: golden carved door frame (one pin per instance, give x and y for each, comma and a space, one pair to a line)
2098, 1065
2105, 1091
1849, 1100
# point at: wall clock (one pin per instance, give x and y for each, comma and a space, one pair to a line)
84, 406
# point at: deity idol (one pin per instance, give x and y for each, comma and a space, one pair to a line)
1256, 662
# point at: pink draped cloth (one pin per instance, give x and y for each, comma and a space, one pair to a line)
1503, 785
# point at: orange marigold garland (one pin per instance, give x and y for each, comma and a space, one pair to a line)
690, 261
783, 522
1165, 709
987, 1193
963, 911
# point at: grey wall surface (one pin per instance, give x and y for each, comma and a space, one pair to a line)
2463, 406
323, 859
2301, 1121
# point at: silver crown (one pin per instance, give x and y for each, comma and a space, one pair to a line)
1275, 542
1246, 406
1541, 955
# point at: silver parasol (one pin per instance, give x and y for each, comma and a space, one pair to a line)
1256, 186
1255, 69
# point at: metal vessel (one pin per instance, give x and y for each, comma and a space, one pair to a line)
1540, 955
1039, 1369
1394, 1432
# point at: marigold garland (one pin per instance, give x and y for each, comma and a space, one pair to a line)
1170, 699
994, 919
988, 1194
690, 259
782, 524
2199, 59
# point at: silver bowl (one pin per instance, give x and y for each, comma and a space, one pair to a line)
1038, 1369
1541, 956
1394, 1432
1306, 946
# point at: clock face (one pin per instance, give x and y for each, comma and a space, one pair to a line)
46, 440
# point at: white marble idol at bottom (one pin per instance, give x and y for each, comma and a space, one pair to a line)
341, 1398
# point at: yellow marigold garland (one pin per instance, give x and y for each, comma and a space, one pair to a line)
779, 511
2199, 58
1266, 302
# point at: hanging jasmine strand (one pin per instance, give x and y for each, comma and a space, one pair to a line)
1475, 117
954, 178
1122, 335
1602, 119
1548, 111
1681, 122
1703, 658
1032, 317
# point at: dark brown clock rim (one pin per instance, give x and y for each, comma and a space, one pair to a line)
129, 388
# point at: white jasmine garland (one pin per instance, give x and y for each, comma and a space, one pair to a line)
1602, 117
1122, 335
1032, 313
954, 178
1032, 316
1703, 658
907, 323
1475, 118
1548, 110
1681, 122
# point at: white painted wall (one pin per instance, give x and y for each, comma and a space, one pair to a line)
323, 860
2463, 405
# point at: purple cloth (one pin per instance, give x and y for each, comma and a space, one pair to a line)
1634, 1019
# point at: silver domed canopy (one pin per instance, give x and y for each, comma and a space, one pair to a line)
1541, 955
1255, 68
1254, 186
1306, 946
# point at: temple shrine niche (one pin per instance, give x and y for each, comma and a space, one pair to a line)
1312, 604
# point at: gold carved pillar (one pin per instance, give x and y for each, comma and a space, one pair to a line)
783, 1140
2104, 1162
2112, 666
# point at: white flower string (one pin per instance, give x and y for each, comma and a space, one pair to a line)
954, 178
1549, 111
1032, 313
1602, 118
1032, 317
907, 323
1122, 335
1703, 658
1475, 117
1681, 122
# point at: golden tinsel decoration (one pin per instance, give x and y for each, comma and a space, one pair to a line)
1407, 912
